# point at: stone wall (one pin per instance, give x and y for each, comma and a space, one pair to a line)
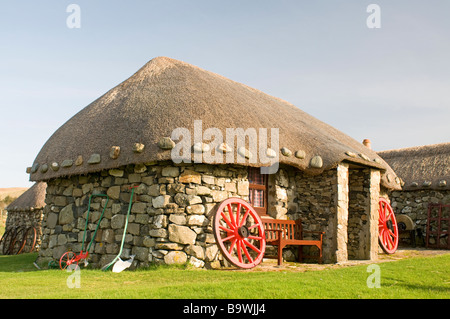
172, 211
415, 205
358, 209
315, 197
26, 218
170, 219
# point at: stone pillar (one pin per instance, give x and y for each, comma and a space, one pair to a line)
364, 190
277, 193
375, 178
341, 199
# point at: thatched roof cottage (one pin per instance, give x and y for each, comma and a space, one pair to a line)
425, 193
128, 137
28, 211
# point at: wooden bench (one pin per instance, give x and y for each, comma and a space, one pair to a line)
289, 232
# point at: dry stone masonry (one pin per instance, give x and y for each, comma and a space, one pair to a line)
170, 218
171, 215
414, 204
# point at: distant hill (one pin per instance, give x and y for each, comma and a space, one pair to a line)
13, 192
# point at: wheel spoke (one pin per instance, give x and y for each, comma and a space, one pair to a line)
244, 217
246, 253
391, 233
383, 243
230, 213
385, 212
238, 214
227, 221
233, 243
226, 229
389, 241
381, 216
389, 216
238, 248
228, 238
251, 246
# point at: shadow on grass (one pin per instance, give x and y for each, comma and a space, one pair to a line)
26, 263
18, 263
421, 289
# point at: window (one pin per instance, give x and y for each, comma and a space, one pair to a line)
257, 190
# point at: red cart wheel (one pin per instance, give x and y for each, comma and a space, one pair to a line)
18, 242
31, 236
239, 233
387, 227
67, 259
7, 240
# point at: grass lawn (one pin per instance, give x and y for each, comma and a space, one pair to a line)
413, 278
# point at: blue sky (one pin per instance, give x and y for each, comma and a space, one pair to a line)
390, 84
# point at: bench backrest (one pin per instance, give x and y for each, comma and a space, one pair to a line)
291, 229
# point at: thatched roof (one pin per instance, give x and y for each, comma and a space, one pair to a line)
421, 167
32, 199
166, 94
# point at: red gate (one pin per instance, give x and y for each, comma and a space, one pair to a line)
438, 224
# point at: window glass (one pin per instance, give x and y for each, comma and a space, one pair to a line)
257, 190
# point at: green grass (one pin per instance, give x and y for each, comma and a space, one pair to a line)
415, 278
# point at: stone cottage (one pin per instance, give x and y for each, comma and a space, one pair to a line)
163, 131
25, 212
425, 194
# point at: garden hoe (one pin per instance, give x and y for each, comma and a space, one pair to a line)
121, 265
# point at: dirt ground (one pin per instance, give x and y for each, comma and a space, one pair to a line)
401, 253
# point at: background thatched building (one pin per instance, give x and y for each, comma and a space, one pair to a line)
28, 211
325, 177
425, 174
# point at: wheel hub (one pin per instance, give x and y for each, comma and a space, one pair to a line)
243, 231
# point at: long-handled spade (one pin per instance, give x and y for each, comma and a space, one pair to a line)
119, 264
69, 258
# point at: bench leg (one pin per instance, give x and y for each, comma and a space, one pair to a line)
320, 254
280, 254
300, 254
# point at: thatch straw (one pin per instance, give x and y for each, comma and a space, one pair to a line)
32, 199
166, 94
421, 167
